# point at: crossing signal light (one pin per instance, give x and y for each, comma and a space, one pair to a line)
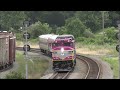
117, 48
117, 35
26, 35
28, 48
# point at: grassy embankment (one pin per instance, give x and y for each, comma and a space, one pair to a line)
35, 69
106, 52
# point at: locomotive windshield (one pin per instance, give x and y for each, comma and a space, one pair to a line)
68, 44
62, 44
56, 44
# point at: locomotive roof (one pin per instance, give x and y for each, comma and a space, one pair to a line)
46, 36
66, 36
54, 37
51, 36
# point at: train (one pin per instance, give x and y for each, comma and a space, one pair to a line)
7, 49
62, 50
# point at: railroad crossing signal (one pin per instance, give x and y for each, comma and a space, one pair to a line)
26, 23
28, 47
117, 35
26, 35
117, 48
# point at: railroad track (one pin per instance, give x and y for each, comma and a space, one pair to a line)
34, 50
6, 68
60, 75
93, 71
94, 68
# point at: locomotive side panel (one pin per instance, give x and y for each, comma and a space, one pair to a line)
43, 44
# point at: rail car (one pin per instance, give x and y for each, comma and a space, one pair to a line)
62, 50
7, 49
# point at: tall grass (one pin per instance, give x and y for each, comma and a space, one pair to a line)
113, 61
35, 69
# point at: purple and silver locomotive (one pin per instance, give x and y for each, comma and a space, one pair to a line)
62, 50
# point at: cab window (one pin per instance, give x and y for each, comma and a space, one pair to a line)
55, 44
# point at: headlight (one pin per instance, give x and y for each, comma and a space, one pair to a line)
62, 49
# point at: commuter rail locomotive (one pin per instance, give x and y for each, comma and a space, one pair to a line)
7, 49
62, 50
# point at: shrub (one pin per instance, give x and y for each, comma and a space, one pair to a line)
14, 75
88, 33
38, 29
110, 33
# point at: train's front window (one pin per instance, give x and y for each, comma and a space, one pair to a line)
68, 44
56, 44
62, 44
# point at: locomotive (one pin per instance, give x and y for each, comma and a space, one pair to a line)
7, 49
62, 50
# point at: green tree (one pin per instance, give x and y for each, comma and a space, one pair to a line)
61, 30
11, 19
38, 29
91, 19
75, 26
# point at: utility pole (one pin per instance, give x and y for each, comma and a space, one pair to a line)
26, 53
26, 46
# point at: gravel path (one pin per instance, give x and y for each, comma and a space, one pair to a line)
79, 71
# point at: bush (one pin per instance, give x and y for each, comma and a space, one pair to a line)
80, 39
19, 36
75, 27
110, 33
88, 33
38, 29
61, 30
15, 75
85, 40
